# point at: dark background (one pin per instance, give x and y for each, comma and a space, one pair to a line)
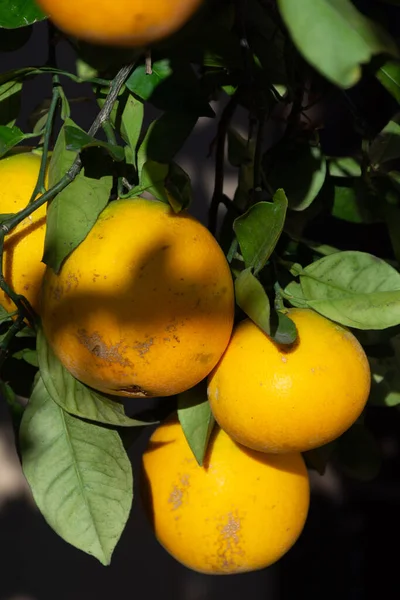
349, 545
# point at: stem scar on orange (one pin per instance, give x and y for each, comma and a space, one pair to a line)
241, 511
290, 399
120, 22
144, 306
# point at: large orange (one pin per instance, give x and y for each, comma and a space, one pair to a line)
284, 399
119, 22
144, 306
241, 511
23, 248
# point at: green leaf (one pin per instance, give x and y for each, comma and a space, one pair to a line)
240, 150
389, 76
196, 419
16, 409
334, 37
386, 145
131, 124
358, 454
74, 211
345, 166
347, 205
385, 378
9, 137
301, 173
318, 458
178, 187
29, 72
28, 355
10, 102
165, 137
26, 332
152, 180
79, 474
19, 13
283, 331
143, 84
259, 229
168, 87
5, 315
353, 288
253, 300
73, 396
76, 140
294, 294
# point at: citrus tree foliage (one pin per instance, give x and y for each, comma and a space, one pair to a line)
283, 64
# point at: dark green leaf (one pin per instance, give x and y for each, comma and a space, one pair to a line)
19, 13
344, 167
358, 454
389, 76
74, 211
172, 86
73, 396
178, 187
165, 137
9, 137
28, 355
259, 230
385, 381
252, 299
386, 146
334, 37
301, 173
240, 150
348, 206
196, 419
10, 102
284, 330
318, 458
353, 288
79, 474
5, 315
76, 140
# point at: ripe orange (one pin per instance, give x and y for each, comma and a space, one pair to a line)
23, 248
241, 511
290, 399
120, 22
144, 306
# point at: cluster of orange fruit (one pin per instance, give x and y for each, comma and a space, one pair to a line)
144, 307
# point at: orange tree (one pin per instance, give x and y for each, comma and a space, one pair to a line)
326, 75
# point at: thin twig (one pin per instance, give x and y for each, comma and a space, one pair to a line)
217, 197
257, 181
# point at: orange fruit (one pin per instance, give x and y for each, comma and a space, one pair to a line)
120, 22
241, 511
144, 306
290, 399
24, 245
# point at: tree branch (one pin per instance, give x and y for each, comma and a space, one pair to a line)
217, 197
